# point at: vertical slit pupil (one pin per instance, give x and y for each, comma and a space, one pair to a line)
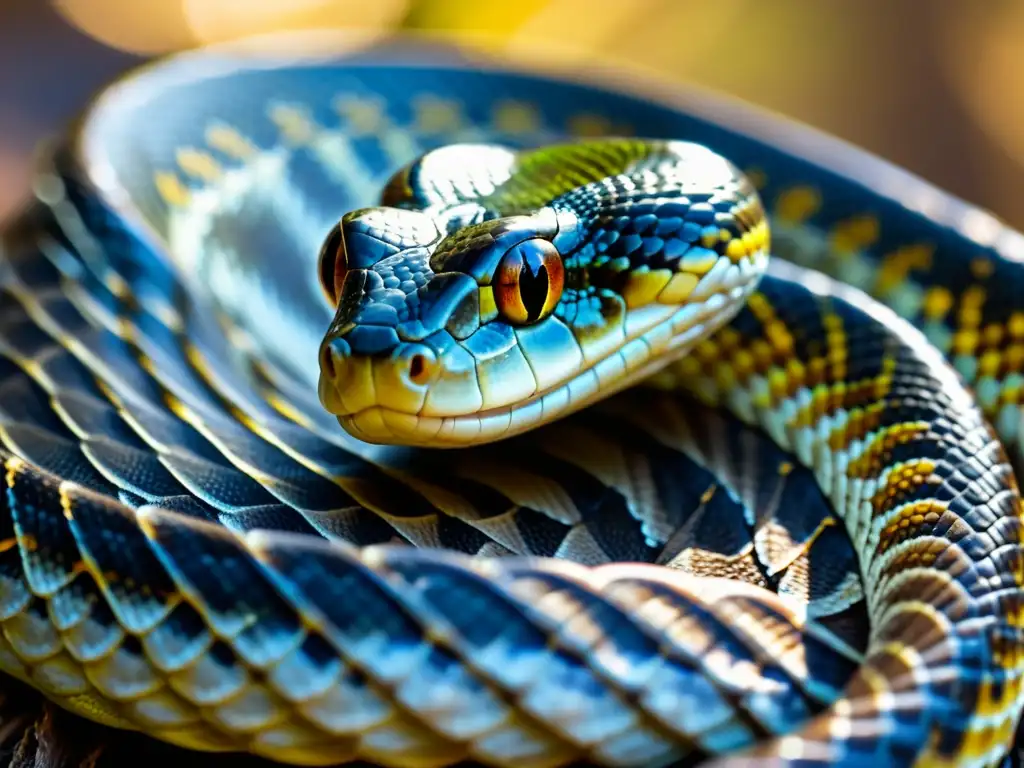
533, 287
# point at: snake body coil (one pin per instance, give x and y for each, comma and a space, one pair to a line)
194, 549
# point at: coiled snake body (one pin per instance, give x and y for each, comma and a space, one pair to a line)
193, 548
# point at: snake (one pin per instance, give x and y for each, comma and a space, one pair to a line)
380, 403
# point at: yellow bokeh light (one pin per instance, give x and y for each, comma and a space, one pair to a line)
983, 60
652, 33
155, 26
985, 64
160, 26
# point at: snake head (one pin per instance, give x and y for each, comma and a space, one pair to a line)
496, 291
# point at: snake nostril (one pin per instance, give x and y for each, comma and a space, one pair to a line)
419, 369
330, 355
326, 361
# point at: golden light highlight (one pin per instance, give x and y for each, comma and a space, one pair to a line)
982, 59
160, 26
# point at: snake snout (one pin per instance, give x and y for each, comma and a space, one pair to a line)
333, 355
360, 385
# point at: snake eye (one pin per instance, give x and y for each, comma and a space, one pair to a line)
333, 264
528, 282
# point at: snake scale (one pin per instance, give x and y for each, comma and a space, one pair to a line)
791, 537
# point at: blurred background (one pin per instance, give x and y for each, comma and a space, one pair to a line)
934, 86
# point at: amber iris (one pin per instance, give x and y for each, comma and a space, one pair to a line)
528, 282
332, 265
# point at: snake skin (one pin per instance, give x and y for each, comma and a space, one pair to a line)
192, 547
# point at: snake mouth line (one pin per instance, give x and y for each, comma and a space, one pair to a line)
638, 358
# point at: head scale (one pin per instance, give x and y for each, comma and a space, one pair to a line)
494, 291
